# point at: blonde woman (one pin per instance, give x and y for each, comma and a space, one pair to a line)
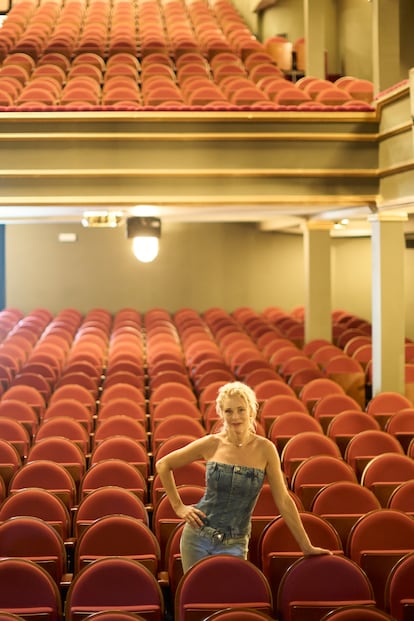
237, 461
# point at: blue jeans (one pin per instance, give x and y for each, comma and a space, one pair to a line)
197, 543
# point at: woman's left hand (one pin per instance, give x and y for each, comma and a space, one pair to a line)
314, 551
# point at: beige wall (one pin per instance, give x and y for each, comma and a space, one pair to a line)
355, 38
199, 265
286, 17
351, 275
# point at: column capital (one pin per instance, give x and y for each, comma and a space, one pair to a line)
389, 216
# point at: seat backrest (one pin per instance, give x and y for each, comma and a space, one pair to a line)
16, 433
58, 449
114, 583
331, 405
122, 390
171, 444
104, 501
381, 529
78, 377
402, 497
22, 412
209, 394
124, 376
401, 425
315, 472
344, 497
304, 445
237, 583
350, 422
377, 541
29, 395
41, 503
316, 389
124, 406
130, 448
300, 378
259, 376
178, 424
34, 539
48, 475
289, 424
384, 472
307, 587
278, 548
71, 408
387, 403
278, 405
367, 444
399, 588
67, 428
74, 391
342, 503
113, 472
10, 461
171, 406
120, 426
28, 589
171, 389
118, 535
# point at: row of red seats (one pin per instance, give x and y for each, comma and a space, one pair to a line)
242, 594
225, 80
380, 543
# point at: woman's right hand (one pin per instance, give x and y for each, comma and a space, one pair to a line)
191, 515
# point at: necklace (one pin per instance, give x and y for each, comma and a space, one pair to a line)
241, 444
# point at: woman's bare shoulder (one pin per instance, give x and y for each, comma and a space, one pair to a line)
210, 443
266, 447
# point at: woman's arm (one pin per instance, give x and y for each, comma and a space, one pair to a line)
192, 452
286, 504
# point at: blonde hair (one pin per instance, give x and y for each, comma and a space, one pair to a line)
238, 389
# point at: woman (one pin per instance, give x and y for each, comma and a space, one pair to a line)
237, 461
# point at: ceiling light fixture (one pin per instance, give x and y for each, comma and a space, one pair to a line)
145, 233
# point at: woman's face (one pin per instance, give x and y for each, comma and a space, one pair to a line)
236, 414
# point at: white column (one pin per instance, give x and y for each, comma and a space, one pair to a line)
388, 302
317, 254
386, 43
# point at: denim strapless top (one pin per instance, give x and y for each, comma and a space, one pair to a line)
230, 496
